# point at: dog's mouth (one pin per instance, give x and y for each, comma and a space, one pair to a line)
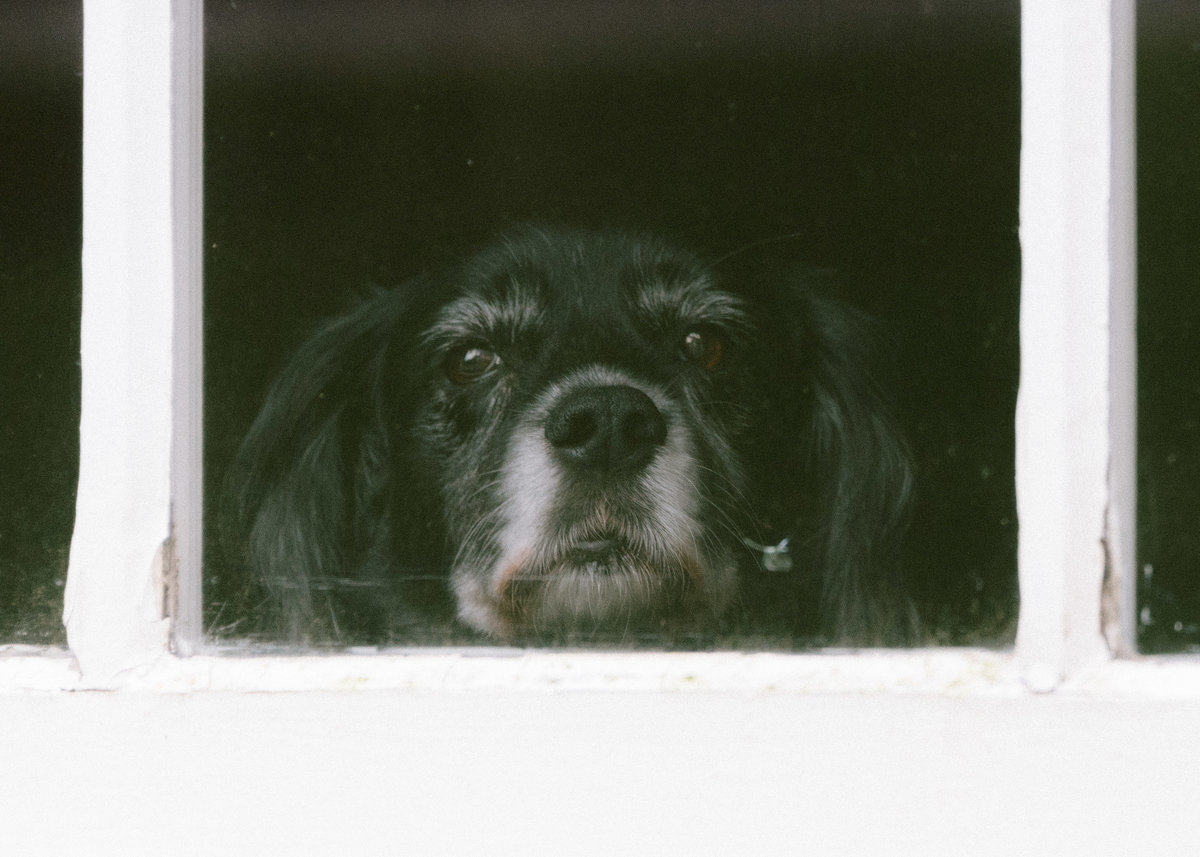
607, 573
593, 583
603, 555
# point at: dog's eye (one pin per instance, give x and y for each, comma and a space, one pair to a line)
706, 347
467, 365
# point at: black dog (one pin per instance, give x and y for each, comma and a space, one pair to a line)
576, 434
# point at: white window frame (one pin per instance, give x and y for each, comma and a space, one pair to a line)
1069, 743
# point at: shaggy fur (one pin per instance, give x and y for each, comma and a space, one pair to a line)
579, 435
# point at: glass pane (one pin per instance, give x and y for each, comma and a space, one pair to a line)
40, 232
1168, 97
873, 143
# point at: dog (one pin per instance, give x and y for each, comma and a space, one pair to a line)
578, 435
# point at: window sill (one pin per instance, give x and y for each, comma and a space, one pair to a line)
945, 672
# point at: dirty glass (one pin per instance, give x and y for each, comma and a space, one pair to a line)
1168, 105
40, 226
354, 146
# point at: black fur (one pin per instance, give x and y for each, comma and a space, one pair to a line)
641, 416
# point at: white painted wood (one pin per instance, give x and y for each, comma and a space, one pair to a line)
1121, 627
1065, 403
113, 602
921, 672
582, 773
187, 492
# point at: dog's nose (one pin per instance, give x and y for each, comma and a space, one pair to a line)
608, 429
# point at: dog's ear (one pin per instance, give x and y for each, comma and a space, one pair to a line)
860, 471
303, 501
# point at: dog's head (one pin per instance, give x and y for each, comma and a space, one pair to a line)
588, 406
583, 432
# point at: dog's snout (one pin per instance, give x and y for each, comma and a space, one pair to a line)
608, 428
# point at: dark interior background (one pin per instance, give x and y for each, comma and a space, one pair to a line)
354, 144
1169, 324
40, 231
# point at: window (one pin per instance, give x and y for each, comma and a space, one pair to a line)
347, 148
567, 752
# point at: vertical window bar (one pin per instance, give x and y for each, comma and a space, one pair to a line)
1073, 343
1120, 591
187, 91
121, 552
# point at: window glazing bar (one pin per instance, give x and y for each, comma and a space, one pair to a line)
139, 440
1076, 408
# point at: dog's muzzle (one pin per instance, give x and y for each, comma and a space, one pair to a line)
601, 522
